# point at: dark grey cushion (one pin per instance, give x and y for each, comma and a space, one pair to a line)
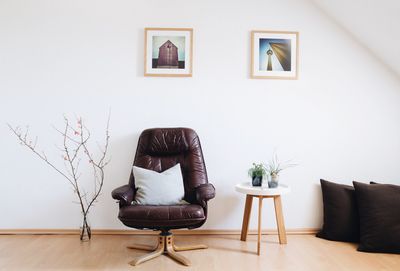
379, 210
340, 213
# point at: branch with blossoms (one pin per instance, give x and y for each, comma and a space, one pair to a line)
75, 148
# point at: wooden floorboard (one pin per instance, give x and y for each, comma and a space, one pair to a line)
226, 252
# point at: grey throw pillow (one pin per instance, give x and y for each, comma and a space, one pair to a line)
154, 188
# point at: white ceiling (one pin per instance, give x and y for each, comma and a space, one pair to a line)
375, 24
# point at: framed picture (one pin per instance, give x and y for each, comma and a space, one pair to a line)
168, 52
274, 54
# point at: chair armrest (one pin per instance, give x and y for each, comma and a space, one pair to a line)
204, 193
124, 194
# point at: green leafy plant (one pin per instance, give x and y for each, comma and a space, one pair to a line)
258, 170
274, 167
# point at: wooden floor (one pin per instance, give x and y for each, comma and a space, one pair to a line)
226, 252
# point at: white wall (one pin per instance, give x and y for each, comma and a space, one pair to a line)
339, 121
375, 25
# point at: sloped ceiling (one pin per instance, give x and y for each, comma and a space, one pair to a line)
375, 24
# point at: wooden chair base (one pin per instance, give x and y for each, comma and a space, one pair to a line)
165, 246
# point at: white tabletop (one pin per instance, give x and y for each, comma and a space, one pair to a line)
247, 188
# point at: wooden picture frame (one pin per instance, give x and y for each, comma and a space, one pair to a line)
168, 52
274, 54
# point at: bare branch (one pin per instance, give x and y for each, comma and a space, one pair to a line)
75, 141
41, 155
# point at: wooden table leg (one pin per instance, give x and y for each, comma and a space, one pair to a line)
246, 217
279, 220
260, 199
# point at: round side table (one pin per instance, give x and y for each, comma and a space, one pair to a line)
262, 192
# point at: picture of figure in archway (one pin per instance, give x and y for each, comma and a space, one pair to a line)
275, 54
168, 52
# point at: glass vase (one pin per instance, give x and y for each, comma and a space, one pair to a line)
85, 231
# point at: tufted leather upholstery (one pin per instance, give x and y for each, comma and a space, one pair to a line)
160, 149
162, 216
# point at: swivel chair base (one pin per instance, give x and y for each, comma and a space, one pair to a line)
165, 246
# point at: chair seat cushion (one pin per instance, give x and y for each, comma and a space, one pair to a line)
155, 217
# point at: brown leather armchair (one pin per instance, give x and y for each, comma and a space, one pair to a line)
160, 149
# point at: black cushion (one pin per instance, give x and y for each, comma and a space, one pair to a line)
340, 213
379, 210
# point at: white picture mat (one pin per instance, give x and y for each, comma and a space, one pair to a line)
256, 54
174, 33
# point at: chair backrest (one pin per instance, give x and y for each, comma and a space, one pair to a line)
162, 148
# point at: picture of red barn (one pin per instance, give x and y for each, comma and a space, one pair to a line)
168, 56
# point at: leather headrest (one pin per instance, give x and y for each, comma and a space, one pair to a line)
166, 141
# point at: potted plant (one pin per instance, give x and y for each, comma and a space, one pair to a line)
273, 168
257, 172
